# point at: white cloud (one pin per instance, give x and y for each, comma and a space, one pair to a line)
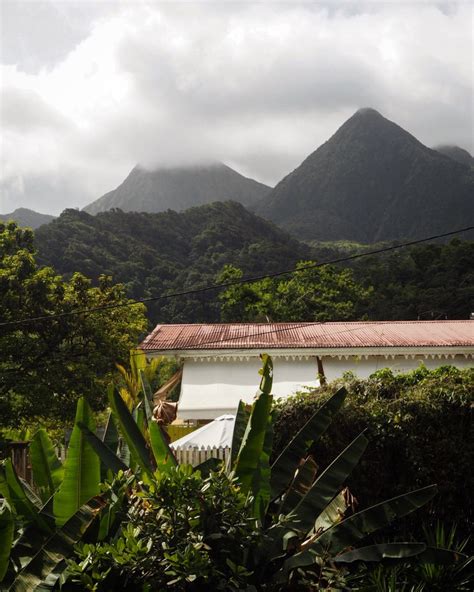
257, 85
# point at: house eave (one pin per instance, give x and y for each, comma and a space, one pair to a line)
301, 353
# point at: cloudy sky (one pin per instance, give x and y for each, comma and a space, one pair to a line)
88, 89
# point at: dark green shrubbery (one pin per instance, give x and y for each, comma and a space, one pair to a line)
420, 430
181, 530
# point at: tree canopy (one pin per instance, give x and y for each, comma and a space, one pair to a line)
47, 364
319, 294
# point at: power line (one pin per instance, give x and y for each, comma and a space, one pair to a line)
233, 282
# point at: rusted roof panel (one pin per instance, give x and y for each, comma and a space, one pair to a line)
310, 335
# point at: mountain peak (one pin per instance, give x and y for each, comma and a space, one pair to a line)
27, 217
371, 181
178, 188
367, 112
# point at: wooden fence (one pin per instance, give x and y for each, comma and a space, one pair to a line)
195, 456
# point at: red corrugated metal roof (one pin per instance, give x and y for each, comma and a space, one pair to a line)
310, 335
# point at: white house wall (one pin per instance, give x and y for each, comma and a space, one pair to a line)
364, 367
212, 388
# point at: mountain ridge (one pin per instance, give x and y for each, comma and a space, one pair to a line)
27, 217
456, 153
371, 181
179, 188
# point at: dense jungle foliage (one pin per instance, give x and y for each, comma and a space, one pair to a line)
420, 430
122, 514
155, 254
47, 364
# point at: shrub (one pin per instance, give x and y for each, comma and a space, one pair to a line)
181, 531
420, 430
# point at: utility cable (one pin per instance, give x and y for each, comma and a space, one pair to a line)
231, 283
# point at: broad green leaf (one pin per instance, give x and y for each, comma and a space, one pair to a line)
334, 512
304, 479
21, 500
164, 457
47, 561
241, 419
261, 486
110, 437
284, 467
363, 523
48, 470
109, 458
381, 551
148, 409
328, 484
349, 531
131, 432
7, 527
138, 362
252, 465
81, 479
140, 418
147, 394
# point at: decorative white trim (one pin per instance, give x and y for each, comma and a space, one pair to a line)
226, 355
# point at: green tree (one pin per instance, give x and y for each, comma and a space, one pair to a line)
318, 294
47, 364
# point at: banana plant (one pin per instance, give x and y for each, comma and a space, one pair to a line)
315, 526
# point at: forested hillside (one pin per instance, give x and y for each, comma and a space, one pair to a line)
156, 254
153, 254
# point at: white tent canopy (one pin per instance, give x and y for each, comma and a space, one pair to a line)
217, 433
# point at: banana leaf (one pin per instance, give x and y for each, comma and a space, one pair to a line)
328, 484
334, 512
131, 433
241, 419
347, 532
140, 418
21, 499
48, 471
147, 393
302, 482
284, 467
108, 457
363, 523
111, 437
252, 468
7, 527
262, 493
421, 551
381, 551
164, 457
81, 479
48, 561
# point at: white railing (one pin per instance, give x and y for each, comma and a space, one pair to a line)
194, 456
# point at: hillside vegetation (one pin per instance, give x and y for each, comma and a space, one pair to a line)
153, 254
156, 254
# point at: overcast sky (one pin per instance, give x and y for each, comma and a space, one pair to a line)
91, 88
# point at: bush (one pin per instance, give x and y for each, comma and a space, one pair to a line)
420, 430
181, 532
